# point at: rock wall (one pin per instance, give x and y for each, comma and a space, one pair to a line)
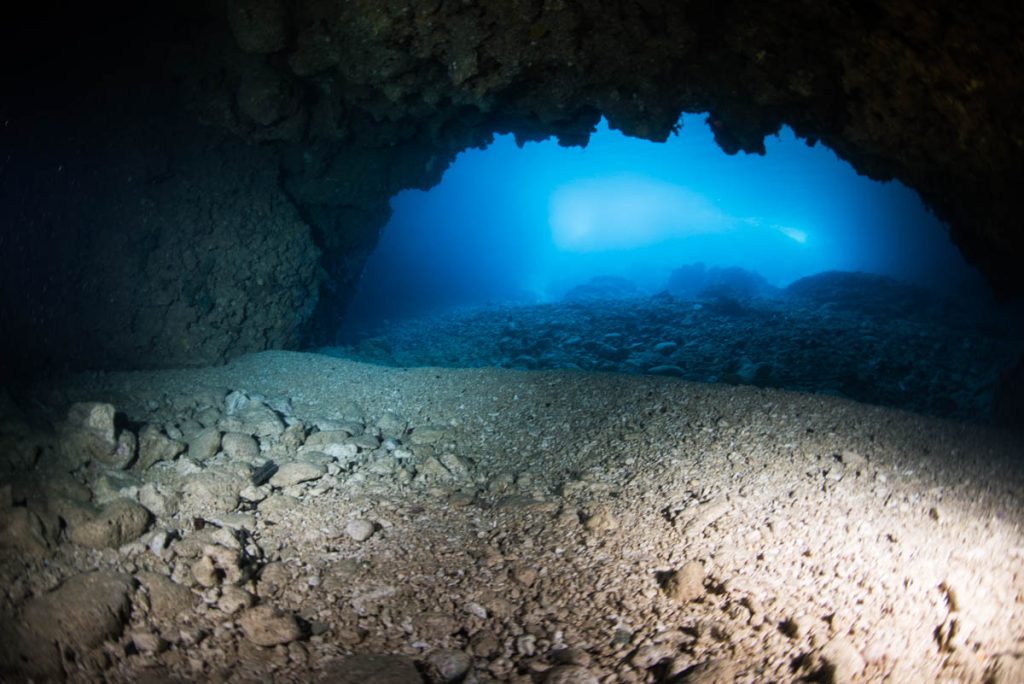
188, 231
141, 242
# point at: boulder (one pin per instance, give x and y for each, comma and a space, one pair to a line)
162, 502
22, 531
88, 434
685, 584
290, 474
318, 440
712, 672
78, 616
167, 598
392, 424
266, 95
267, 626
360, 529
206, 493
110, 485
204, 445
427, 434
666, 370
259, 420
839, 661
240, 447
570, 674
448, 666
155, 446
114, 525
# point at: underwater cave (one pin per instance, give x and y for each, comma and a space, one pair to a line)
532, 341
785, 270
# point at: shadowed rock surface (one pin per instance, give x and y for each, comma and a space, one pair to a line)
186, 184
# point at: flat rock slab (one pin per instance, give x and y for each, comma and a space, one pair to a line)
295, 473
371, 669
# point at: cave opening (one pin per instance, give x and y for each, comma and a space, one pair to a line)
675, 259
509, 223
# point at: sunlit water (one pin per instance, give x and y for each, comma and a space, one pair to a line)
528, 224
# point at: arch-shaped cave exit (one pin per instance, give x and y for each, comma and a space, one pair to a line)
784, 270
529, 222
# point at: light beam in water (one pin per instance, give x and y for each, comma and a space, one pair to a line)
629, 211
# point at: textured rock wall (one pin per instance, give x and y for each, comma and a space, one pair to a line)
148, 242
344, 103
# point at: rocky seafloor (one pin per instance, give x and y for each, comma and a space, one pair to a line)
298, 517
853, 335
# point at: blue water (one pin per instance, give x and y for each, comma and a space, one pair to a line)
510, 224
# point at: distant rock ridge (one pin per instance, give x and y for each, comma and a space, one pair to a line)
603, 287
864, 336
696, 280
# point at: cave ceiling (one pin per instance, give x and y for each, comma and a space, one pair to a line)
350, 101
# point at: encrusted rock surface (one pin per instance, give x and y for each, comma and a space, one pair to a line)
162, 241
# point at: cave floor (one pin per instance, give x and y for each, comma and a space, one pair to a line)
553, 526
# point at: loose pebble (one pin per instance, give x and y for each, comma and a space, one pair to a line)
359, 529
686, 584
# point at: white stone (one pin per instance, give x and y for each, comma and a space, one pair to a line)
290, 474
360, 529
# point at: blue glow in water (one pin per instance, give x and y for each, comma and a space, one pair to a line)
526, 224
